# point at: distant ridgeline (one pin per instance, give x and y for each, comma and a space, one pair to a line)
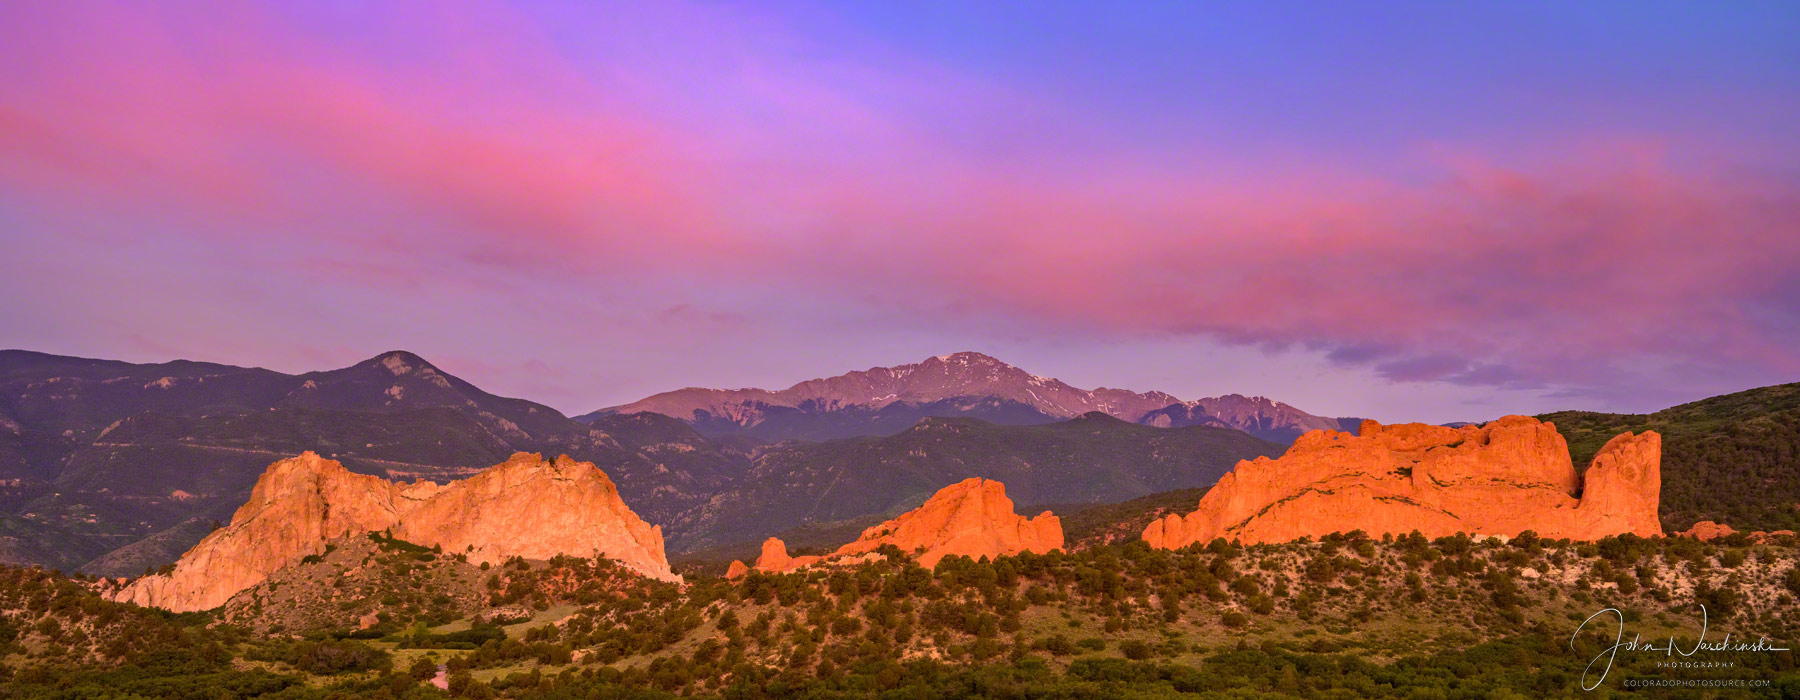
115, 468
887, 400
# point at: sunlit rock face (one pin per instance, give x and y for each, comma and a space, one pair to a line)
1503, 478
775, 559
972, 518
525, 507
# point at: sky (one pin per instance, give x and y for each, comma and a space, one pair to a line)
1409, 211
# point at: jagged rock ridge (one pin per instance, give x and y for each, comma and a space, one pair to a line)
525, 507
1503, 478
1263, 417
887, 400
972, 518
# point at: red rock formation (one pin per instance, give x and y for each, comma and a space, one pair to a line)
972, 518
1707, 530
1622, 487
526, 507
536, 509
1502, 478
296, 506
774, 557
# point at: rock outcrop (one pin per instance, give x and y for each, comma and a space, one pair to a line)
1265, 418
1503, 478
774, 558
1707, 530
525, 507
972, 518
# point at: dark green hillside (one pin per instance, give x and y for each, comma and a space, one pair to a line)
1733, 458
666, 471
56, 394
154, 551
1108, 523
1091, 459
1084, 525
811, 538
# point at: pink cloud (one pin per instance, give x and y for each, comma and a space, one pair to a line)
1572, 264
250, 123
1588, 269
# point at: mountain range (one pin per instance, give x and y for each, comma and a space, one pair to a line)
887, 400
112, 467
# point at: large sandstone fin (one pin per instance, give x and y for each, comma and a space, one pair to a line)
1623, 486
525, 507
971, 518
1502, 478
